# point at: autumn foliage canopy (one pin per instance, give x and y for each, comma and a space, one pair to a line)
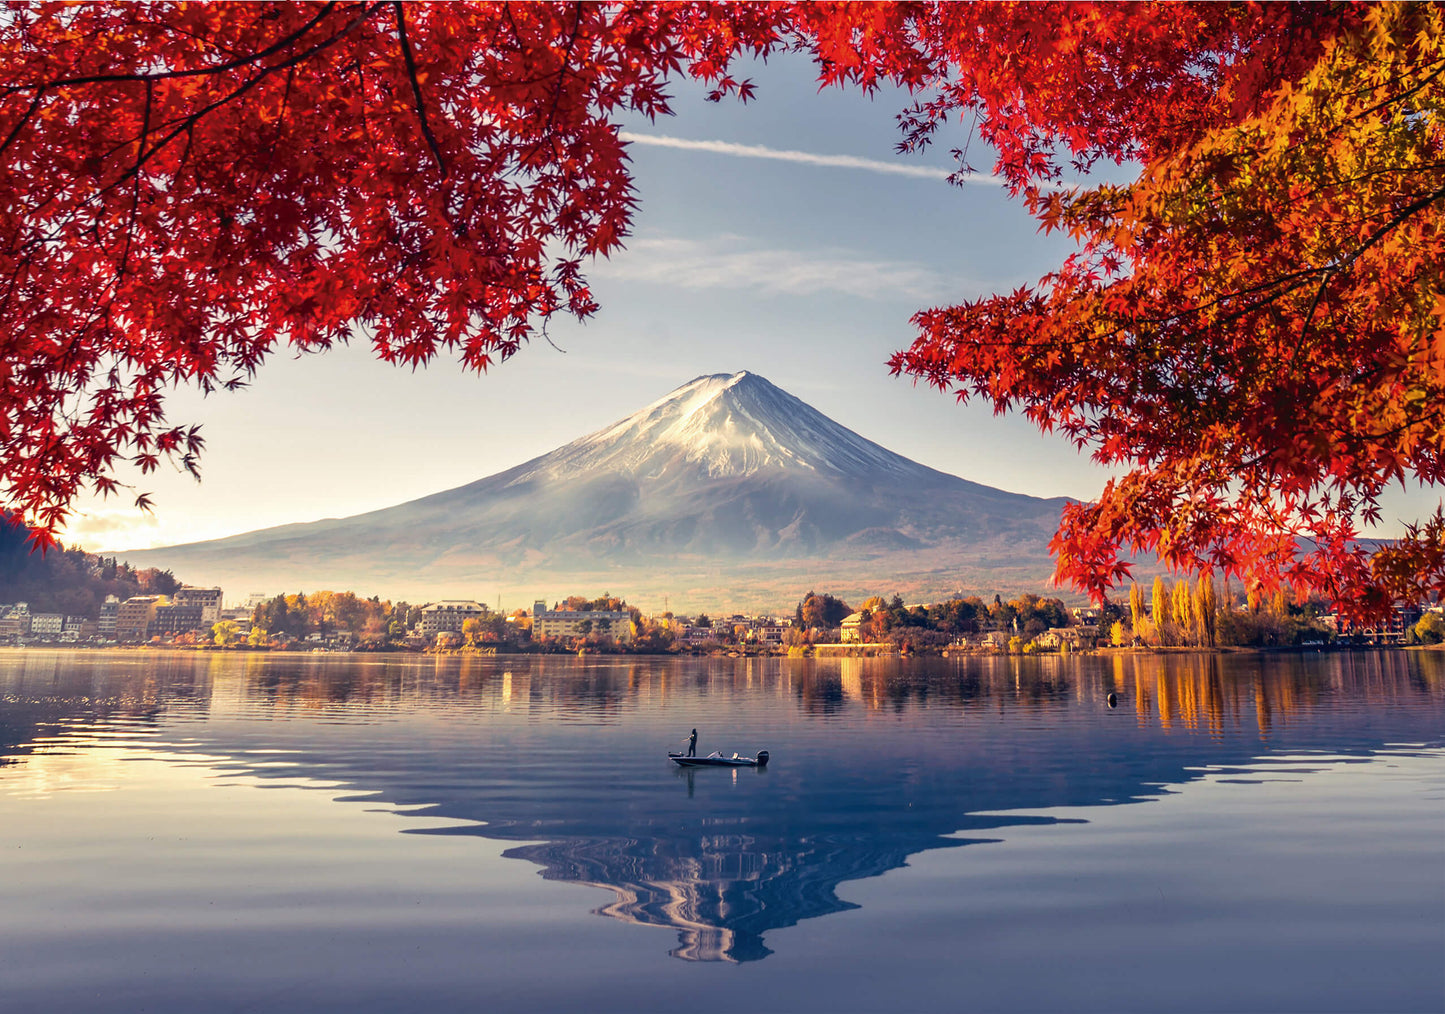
1250, 332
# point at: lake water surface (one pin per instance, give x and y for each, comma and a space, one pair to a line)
208, 832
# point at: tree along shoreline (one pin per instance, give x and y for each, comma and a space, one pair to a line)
1183, 616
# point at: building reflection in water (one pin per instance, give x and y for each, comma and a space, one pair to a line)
875, 760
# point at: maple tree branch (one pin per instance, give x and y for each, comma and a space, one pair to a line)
188, 123
145, 133
1290, 281
1334, 183
416, 88
1377, 437
1398, 219
24, 119
203, 39
550, 342
545, 134
516, 32
1284, 284
1405, 427
566, 62
13, 282
219, 68
1393, 99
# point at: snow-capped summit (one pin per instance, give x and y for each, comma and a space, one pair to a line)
726, 484
723, 425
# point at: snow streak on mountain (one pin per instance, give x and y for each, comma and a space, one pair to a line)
727, 487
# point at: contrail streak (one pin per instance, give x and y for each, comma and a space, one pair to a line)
806, 158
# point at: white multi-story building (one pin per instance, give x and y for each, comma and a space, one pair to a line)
109, 610
209, 599
46, 624
449, 614
766, 630
77, 628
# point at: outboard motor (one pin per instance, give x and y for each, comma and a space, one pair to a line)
762, 758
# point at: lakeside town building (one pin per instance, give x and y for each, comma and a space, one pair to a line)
109, 610
555, 623
176, 618
448, 615
134, 616
690, 634
240, 616
1394, 629
767, 630
46, 625
15, 621
79, 628
208, 599
1084, 635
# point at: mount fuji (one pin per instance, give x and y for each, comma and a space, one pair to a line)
728, 492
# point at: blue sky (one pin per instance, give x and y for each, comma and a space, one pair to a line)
796, 267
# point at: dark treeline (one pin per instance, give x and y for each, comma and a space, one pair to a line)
69, 581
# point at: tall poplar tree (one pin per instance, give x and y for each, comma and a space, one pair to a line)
1159, 610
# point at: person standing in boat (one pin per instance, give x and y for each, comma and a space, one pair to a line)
692, 744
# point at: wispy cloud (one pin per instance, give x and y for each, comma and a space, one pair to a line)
719, 263
807, 158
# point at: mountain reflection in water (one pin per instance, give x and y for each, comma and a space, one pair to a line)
873, 760
724, 880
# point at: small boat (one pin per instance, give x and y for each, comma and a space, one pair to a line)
717, 760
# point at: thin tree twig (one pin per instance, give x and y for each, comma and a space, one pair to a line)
416, 88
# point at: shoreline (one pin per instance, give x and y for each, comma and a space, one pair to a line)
833, 651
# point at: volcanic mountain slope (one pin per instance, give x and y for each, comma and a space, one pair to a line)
727, 484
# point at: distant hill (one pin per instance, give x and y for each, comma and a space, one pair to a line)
69, 581
727, 493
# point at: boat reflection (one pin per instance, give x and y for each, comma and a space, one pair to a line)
873, 760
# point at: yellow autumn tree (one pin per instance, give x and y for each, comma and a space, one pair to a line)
1206, 610
225, 633
471, 628
1160, 612
1183, 610
1138, 611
